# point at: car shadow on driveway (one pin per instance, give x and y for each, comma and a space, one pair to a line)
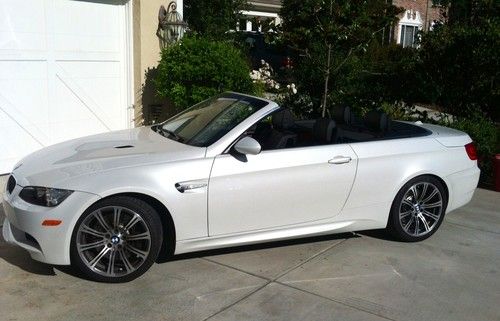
379, 234
20, 258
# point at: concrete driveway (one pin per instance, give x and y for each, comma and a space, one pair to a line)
455, 275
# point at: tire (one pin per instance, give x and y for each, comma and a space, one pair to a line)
422, 198
116, 240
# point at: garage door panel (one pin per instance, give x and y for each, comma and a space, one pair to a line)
23, 97
105, 106
99, 78
62, 73
16, 136
91, 69
71, 103
101, 33
19, 30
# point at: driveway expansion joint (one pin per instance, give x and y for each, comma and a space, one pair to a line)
472, 228
271, 280
333, 300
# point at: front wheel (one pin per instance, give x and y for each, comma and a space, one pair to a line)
418, 209
116, 240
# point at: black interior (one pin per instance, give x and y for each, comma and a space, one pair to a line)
282, 130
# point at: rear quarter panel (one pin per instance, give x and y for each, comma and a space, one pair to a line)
385, 166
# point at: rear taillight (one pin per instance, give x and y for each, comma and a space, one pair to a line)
470, 148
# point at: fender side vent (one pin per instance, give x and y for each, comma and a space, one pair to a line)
124, 146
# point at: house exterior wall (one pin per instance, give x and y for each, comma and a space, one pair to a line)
146, 53
427, 10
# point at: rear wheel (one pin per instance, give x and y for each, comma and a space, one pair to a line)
418, 209
116, 240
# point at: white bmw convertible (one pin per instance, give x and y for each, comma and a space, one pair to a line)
232, 170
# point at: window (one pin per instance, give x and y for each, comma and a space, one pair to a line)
408, 35
205, 123
280, 130
275, 131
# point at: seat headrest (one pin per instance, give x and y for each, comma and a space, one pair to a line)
377, 121
283, 119
342, 115
323, 130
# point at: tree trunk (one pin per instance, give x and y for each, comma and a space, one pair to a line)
327, 78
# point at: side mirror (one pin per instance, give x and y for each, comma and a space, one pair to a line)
248, 146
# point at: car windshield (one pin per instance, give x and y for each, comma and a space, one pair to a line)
206, 122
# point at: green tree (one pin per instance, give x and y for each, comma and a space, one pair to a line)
461, 59
470, 12
328, 33
213, 18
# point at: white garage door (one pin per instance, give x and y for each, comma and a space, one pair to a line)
63, 72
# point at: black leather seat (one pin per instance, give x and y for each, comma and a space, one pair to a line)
280, 135
377, 122
324, 130
342, 115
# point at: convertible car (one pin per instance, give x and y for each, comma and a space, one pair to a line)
232, 170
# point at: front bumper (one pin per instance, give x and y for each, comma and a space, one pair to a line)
48, 244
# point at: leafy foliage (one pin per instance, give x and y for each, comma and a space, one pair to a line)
213, 18
462, 66
197, 68
328, 33
484, 134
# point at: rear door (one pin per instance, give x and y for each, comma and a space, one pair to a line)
279, 187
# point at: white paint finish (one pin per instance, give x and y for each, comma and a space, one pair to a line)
385, 166
290, 232
152, 167
462, 186
276, 188
274, 195
54, 242
449, 137
63, 72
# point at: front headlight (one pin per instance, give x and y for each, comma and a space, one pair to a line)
44, 196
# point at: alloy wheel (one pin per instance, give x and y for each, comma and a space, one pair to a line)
420, 209
113, 241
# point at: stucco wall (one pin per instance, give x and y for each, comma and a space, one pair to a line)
146, 53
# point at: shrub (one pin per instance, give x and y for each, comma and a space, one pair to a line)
213, 18
197, 68
484, 134
462, 67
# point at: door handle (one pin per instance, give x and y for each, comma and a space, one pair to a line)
340, 160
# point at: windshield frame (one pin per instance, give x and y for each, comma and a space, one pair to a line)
256, 103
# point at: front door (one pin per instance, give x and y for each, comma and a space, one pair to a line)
279, 187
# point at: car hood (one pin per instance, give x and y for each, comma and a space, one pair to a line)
82, 156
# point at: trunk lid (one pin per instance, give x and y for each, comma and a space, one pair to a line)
446, 136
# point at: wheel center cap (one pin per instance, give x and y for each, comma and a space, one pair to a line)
115, 239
